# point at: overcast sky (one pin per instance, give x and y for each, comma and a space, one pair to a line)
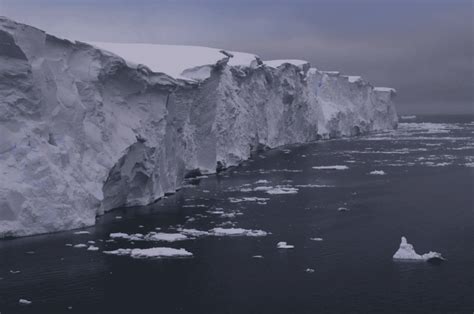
423, 48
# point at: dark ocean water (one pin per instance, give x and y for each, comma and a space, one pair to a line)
425, 195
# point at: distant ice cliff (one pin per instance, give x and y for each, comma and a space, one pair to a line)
85, 128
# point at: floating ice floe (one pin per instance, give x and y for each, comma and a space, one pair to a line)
80, 246
247, 199
15, 271
314, 186
284, 245
407, 252
125, 236
151, 236
245, 190
282, 190
24, 302
408, 117
92, 248
335, 167
257, 256
309, 270
168, 237
316, 239
343, 209
155, 252
261, 182
433, 164
119, 252
237, 232
378, 172
194, 232
231, 214
262, 188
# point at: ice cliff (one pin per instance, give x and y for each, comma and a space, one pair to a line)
85, 128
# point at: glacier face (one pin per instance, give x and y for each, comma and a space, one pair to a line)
83, 131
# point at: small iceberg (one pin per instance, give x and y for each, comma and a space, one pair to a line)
378, 172
407, 252
336, 167
24, 302
284, 245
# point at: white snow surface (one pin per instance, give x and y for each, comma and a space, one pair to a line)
172, 59
407, 252
84, 130
278, 63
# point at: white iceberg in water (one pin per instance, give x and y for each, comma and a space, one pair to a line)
24, 302
407, 252
378, 172
284, 245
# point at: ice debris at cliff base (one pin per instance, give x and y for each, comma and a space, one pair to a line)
155, 252
335, 167
407, 252
188, 234
237, 232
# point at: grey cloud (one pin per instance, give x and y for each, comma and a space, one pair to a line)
422, 48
